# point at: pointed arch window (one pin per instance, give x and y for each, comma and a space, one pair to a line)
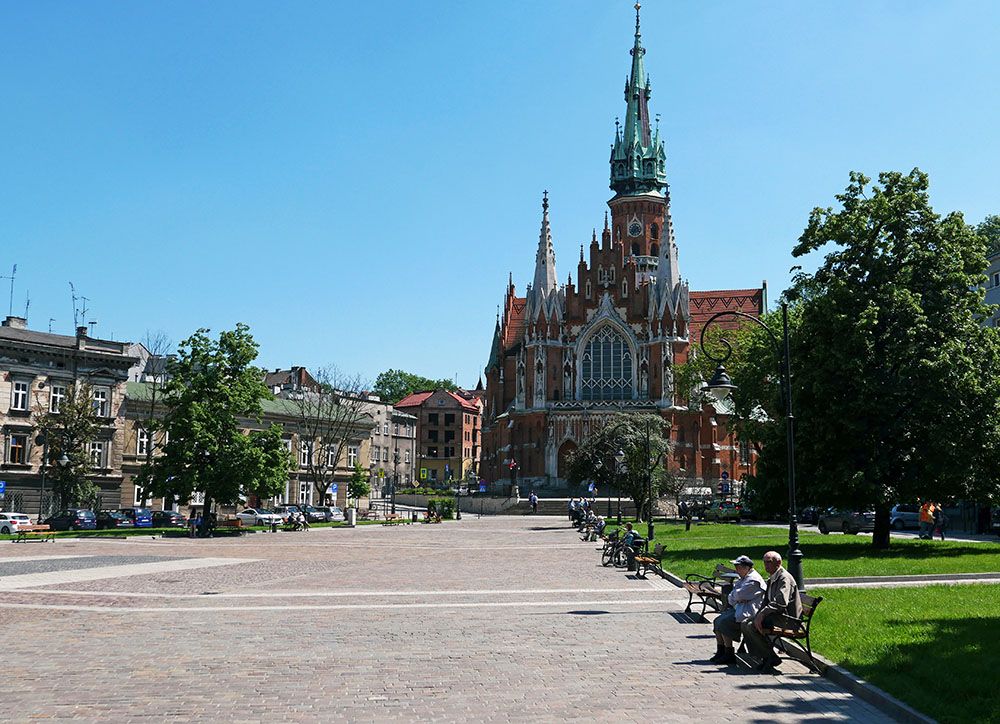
606, 367
654, 250
654, 231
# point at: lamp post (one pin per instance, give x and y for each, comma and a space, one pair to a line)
619, 460
513, 475
395, 477
44, 442
721, 386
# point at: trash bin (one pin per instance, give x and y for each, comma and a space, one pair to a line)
352, 517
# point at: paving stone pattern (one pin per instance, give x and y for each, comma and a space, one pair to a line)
498, 619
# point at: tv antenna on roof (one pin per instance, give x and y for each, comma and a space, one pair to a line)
51, 320
13, 273
27, 302
72, 291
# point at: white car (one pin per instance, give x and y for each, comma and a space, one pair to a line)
13, 522
259, 516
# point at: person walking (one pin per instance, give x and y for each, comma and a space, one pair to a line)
940, 521
926, 520
533, 499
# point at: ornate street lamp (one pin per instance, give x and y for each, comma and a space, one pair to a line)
721, 386
619, 461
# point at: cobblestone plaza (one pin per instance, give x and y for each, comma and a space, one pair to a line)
493, 619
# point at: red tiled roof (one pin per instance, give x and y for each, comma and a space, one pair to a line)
417, 399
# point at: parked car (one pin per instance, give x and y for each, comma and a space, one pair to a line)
259, 516
723, 510
905, 516
809, 515
169, 519
13, 522
73, 519
847, 521
286, 510
333, 513
140, 517
107, 519
314, 514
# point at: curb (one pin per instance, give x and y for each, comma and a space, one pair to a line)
881, 700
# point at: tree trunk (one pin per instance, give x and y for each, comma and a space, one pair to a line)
880, 537
206, 513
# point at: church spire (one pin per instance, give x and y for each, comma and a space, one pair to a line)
545, 282
637, 156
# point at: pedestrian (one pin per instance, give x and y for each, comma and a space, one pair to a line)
940, 521
533, 499
926, 520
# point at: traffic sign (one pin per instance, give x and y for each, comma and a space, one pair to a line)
381, 472
482, 487
725, 475
423, 473
724, 488
3, 486
332, 489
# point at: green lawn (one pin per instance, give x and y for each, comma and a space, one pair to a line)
934, 647
698, 550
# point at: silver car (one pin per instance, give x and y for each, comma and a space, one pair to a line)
906, 516
846, 521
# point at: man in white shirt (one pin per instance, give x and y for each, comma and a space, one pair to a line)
745, 600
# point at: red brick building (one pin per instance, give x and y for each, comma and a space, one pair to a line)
565, 357
449, 434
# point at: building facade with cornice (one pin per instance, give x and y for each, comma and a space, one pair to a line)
566, 357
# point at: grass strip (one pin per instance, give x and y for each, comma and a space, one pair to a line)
934, 647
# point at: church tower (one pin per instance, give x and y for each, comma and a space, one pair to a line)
640, 208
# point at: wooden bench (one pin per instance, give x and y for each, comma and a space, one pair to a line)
707, 589
39, 532
645, 562
392, 519
796, 630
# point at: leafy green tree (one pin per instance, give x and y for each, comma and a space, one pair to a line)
394, 385
896, 383
357, 486
989, 229
69, 432
594, 459
212, 395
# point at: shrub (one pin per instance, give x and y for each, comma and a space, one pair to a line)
445, 507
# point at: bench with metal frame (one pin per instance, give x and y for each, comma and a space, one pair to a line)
39, 532
646, 562
795, 630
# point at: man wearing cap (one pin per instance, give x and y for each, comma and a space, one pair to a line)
744, 601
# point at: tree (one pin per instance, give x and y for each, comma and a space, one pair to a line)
594, 459
989, 229
895, 379
328, 419
158, 346
393, 385
69, 431
358, 486
212, 393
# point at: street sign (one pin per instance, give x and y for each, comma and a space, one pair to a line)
724, 488
332, 489
381, 472
590, 488
725, 475
482, 487
3, 486
423, 473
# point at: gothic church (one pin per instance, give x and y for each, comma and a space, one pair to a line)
566, 357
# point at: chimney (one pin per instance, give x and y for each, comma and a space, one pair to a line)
15, 323
81, 331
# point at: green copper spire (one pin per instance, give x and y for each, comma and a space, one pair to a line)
637, 156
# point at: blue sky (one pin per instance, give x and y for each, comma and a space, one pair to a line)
355, 180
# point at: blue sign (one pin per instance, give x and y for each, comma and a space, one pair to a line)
3, 486
332, 489
482, 487
590, 488
724, 488
725, 475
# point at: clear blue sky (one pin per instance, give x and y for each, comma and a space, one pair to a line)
355, 180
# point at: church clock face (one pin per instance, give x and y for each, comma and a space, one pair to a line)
635, 229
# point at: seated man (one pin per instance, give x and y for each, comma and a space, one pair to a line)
781, 598
744, 599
